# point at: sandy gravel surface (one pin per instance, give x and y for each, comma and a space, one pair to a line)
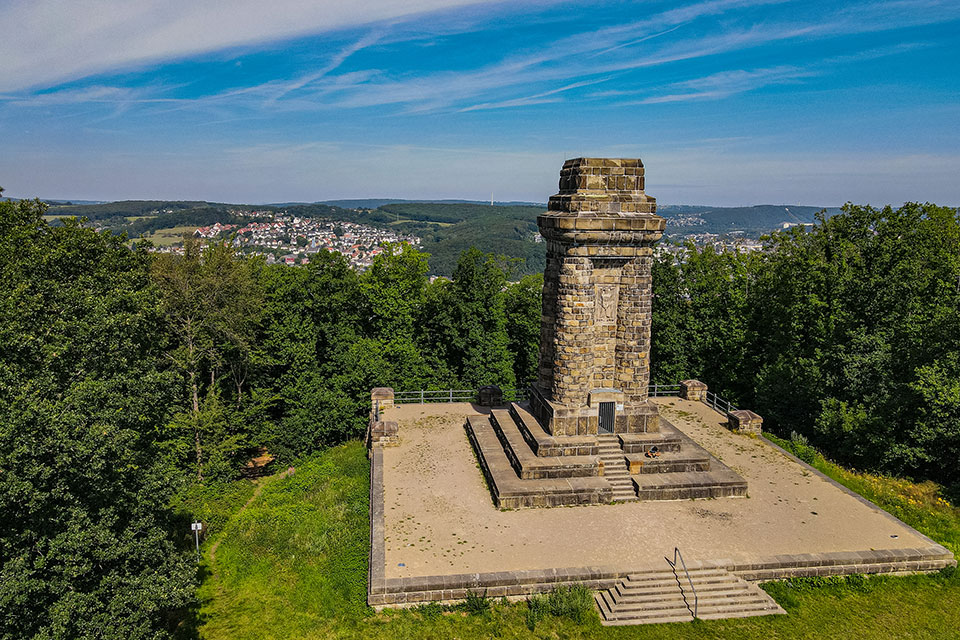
439, 517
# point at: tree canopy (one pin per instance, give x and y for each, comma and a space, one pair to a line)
128, 376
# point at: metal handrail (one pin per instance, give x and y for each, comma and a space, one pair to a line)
658, 390
673, 566
718, 403
423, 396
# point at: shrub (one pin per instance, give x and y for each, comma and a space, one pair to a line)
537, 609
801, 448
574, 602
476, 604
568, 601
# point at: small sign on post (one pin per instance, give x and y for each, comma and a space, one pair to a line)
197, 527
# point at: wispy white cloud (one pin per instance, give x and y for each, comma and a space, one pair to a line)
728, 83
574, 61
724, 84
337, 60
604, 52
55, 40
539, 98
102, 94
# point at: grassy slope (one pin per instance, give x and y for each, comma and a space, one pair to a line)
167, 237
293, 565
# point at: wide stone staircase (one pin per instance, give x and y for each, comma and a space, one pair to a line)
666, 596
527, 467
615, 468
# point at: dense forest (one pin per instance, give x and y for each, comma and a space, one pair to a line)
847, 335
128, 378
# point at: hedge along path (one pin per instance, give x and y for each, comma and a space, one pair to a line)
261, 483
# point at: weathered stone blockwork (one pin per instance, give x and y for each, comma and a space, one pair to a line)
693, 390
383, 432
595, 332
381, 397
745, 421
380, 431
589, 426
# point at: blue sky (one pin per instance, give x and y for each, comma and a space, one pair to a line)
727, 101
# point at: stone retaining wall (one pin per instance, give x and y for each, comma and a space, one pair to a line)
390, 592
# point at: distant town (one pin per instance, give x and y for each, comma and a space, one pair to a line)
292, 240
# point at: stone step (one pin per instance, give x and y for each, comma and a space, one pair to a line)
704, 608
626, 592
682, 485
675, 599
656, 597
527, 464
668, 439
671, 462
685, 616
667, 606
668, 574
544, 444
511, 492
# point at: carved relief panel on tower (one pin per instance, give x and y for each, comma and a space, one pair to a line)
606, 307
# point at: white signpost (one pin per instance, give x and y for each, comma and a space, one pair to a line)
197, 527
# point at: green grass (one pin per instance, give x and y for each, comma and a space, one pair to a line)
171, 236
293, 565
214, 505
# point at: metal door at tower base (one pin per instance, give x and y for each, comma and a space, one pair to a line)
608, 413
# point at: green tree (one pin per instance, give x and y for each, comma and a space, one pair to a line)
522, 304
393, 290
466, 325
84, 541
670, 329
311, 318
213, 303
700, 318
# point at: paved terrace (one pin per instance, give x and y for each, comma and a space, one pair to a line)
438, 518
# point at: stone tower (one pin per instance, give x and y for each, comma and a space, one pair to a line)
595, 328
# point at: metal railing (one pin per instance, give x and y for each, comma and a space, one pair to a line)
424, 396
660, 390
673, 566
719, 404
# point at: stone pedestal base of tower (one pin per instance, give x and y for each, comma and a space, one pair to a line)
629, 416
